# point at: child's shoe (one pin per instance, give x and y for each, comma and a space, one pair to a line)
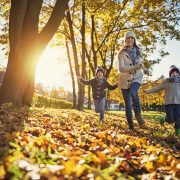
142, 126
131, 127
162, 120
101, 117
177, 132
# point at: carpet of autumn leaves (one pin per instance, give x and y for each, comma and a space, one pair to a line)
68, 144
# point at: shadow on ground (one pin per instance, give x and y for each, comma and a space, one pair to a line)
11, 121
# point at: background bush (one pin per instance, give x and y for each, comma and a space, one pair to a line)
44, 101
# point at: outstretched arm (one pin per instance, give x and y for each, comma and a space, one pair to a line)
111, 87
84, 82
155, 89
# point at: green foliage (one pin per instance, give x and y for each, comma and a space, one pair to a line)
15, 172
43, 101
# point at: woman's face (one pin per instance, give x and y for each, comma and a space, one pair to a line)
129, 41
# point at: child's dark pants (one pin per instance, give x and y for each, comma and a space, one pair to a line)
173, 114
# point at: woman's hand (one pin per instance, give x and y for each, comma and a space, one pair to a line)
146, 71
117, 83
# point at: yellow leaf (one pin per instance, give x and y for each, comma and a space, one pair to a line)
149, 166
2, 172
158, 145
161, 159
100, 135
79, 170
71, 166
70, 140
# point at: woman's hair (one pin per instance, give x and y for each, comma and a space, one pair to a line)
138, 48
135, 45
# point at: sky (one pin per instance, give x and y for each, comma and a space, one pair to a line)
173, 47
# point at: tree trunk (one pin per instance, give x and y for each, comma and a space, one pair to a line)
89, 91
82, 91
76, 61
72, 75
92, 43
23, 33
26, 46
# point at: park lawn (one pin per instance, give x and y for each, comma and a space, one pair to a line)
68, 144
147, 115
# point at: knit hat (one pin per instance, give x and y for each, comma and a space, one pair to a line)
99, 68
172, 69
129, 34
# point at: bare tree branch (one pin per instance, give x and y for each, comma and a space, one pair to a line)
53, 22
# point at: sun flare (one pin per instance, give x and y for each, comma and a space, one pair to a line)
53, 69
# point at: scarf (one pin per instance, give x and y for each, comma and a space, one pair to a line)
174, 79
100, 81
134, 54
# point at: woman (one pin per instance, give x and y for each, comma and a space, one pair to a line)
131, 74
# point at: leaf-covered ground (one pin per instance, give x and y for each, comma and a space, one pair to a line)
68, 144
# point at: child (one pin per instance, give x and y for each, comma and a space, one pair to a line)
172, 97
98, 84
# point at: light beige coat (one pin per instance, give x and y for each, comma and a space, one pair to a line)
129, 73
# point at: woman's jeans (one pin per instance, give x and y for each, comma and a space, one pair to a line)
100, 106
173, 114
131, 99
